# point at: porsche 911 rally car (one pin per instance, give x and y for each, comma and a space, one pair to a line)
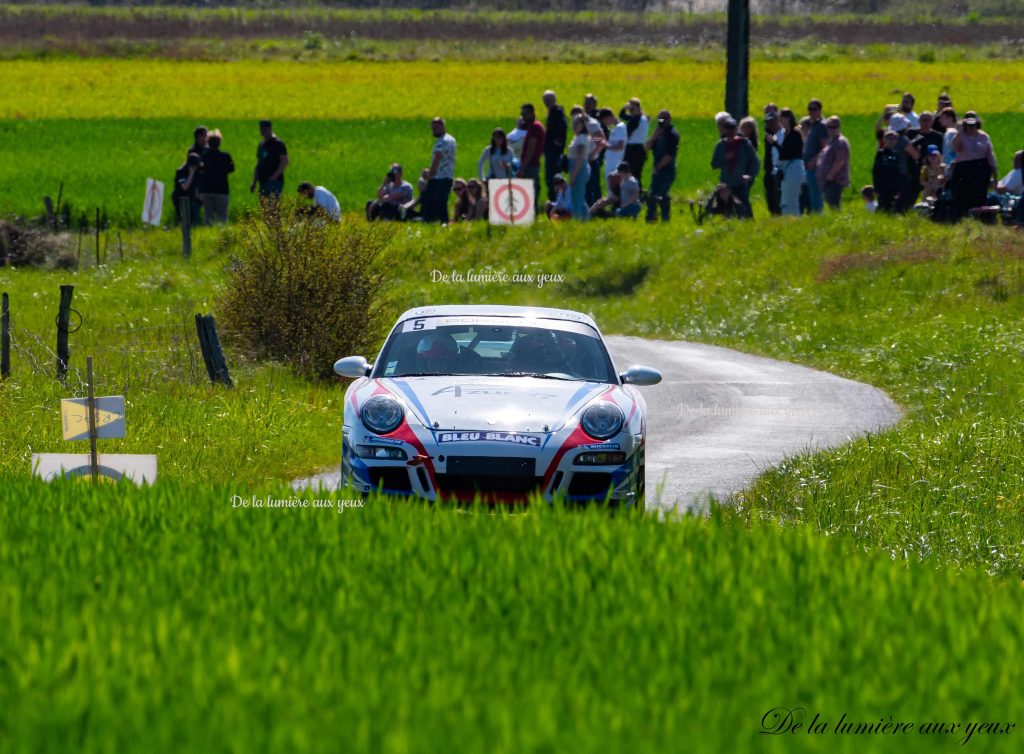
493, 403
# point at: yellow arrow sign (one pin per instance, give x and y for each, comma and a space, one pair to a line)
74, 413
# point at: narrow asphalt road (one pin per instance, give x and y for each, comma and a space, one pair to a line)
720, 417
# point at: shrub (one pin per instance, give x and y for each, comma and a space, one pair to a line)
303, 290
23, 245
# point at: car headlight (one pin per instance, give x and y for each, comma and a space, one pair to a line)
381, 414
381, 452
602, 420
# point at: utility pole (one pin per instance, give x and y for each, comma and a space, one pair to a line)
737, 77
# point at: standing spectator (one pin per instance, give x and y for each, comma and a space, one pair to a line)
814, 142
636, 136
271, 160
771, 109
533, 148
214, 191
440, 174
774, 134
886, 173
516, 136
186, 189
199, 138
392, 194
597, 150
975, 167
554, 140
908, 161
926, 137
738, 166
948, 126
907, 110
748, 130
664, 146
834, 166
943, 101
882, 124
629, 192
615, 147
323, 200
791, 166
579, 167
497, 160
932, 174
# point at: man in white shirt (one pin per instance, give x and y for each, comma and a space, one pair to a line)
616, 142
907, 110
322, 199
636, 128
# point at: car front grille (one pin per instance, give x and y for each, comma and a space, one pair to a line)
467, 475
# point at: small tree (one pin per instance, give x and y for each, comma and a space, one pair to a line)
304, 290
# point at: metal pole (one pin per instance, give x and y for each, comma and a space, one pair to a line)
93, 458
63, 325
185, 211
737, 78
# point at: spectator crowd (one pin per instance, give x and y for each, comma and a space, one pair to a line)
590, 163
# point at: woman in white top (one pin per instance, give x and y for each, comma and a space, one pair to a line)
636, 130
496, 159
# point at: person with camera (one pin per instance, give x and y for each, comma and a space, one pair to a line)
186, 189
392, 194
664, 146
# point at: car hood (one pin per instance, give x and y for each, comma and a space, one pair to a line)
510, 404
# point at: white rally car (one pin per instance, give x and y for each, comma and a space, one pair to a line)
492, 403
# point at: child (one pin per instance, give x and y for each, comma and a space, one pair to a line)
933, 174
868, 195
886, 173
561, 208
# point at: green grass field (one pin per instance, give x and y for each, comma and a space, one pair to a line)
166, 620
101, 127
882, 578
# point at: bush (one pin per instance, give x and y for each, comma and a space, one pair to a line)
23, 245
303, 290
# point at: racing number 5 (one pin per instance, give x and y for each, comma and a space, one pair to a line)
418, 324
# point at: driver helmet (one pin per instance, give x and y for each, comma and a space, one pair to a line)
437, 352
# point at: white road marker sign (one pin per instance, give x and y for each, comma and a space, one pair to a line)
141, 469
511, 202
153, 209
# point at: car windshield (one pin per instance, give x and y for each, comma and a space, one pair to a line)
510, 348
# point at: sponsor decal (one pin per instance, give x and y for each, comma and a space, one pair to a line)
602, 446
457, 391
511, 437
381, 440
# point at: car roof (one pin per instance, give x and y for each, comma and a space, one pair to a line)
479, 310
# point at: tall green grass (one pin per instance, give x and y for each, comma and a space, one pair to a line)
165, 620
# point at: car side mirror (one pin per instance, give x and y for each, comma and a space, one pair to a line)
640, 376
353, 367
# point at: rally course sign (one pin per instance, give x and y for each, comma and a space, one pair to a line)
511, 201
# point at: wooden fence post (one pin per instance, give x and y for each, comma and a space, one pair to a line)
63, 327
5, 337
97, 238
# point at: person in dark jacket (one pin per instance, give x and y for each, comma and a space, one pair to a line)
213, 181
772, 172
555, 135
738, 165
186, 189
886, 174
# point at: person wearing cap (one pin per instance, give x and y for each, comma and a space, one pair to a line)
932, 173
738, 165
440, 174
974, 169
271, 161
791, 164
943, 102
394, 192
323, 200
637, 125
773, 137
907, 163
834, 164
555, 135
664, 147
214, 191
